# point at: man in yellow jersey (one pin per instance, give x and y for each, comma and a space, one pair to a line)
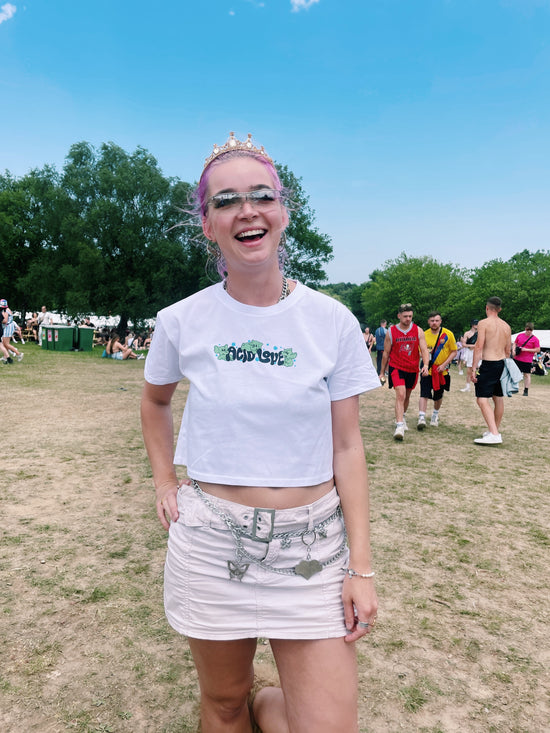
442, 347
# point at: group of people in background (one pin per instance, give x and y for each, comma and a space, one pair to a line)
405, 353
115, 347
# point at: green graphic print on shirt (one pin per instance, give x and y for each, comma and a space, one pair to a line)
253, 351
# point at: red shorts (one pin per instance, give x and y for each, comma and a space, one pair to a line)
399, 378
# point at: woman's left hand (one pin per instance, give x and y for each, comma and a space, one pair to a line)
360, 606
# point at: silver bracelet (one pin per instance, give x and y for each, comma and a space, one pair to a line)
351, 573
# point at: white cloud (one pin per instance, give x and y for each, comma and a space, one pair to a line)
298, 5
7, 11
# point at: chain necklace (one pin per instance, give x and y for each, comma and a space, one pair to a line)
285, 292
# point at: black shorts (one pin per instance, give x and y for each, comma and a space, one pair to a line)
524, 366
399, 378
488, 380
428, 393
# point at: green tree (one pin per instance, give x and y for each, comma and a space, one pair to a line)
308, 249
424, 282
104, 237
523, 284
350, 295
31, 215
123, 254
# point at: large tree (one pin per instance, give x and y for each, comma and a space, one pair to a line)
308, 249
123, 254
425, 283
104, 236
32, 209
523, 284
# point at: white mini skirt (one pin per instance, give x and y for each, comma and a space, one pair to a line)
236, 572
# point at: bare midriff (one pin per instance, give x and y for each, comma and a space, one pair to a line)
268, 497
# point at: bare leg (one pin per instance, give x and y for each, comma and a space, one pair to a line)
226, 674
499, 411
319, 688
407, 398
488, 413
401, 403
6, 341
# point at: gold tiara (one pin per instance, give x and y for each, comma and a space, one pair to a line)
232, 143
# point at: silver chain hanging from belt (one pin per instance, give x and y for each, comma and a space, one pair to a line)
306, 568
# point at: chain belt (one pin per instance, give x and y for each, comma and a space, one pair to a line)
306, 568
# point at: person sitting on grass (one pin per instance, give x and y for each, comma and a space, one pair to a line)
116, 350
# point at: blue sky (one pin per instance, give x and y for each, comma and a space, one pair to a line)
417, 126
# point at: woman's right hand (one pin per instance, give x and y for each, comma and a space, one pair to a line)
167, 503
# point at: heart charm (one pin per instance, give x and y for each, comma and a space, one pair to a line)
307, 568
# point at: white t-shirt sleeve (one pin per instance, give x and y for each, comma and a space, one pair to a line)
353, 372
162, 365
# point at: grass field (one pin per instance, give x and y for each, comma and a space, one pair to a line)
461, 541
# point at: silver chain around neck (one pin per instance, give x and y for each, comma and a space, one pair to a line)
285, 292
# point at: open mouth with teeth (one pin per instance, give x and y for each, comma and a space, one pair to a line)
250, 236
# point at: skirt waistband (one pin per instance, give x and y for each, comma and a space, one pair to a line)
254, 521
265, 526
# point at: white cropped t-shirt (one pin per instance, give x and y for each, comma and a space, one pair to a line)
261, 382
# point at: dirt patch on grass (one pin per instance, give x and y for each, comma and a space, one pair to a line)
460, 536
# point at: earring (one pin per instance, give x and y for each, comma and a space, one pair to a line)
282, 254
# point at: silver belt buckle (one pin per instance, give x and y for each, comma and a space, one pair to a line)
262, 527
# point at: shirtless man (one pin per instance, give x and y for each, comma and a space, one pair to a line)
493, 345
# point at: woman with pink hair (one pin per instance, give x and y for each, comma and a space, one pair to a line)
269, 535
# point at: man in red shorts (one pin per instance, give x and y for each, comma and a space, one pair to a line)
494, 341
403, 345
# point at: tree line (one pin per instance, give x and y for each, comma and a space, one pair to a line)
459, 294
103, 236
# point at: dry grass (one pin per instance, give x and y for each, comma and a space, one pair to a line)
460, 533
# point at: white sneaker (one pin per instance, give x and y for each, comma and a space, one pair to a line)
465, 389
141, 357
405, 426
20, 356
489, 439
399, 432
461, 372
434, 422
421, 423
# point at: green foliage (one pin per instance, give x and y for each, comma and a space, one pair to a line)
352, 296
424, 282
308, 249
104, 237
523, 283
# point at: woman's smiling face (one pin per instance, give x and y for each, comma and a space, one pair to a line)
248, 233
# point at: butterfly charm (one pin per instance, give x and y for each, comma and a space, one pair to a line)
236, 570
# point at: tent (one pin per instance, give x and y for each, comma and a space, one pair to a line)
542, 335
